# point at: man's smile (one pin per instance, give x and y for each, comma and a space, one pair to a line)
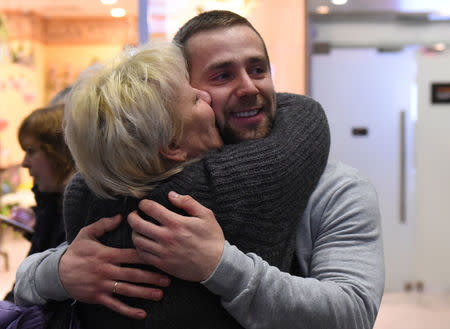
245, 114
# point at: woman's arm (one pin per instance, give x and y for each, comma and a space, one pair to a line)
279, 169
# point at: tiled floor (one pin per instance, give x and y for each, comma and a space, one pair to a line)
398, 310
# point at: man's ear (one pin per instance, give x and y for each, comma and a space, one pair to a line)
174, 152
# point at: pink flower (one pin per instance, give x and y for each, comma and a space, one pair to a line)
3, 124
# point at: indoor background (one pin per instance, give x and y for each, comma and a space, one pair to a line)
380, 68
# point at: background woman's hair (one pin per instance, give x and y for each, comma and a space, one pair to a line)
45, 126
120, 115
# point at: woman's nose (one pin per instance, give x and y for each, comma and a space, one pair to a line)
25, 162
204, 95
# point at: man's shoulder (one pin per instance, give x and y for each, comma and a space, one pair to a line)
341, 184
341, 191
338, 174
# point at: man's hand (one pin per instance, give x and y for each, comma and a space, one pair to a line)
186, 247
89, 271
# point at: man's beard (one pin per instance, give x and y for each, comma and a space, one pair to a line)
233, 136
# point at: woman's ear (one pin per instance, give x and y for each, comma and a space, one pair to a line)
173, 152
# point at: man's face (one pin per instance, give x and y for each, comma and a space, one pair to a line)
231, 65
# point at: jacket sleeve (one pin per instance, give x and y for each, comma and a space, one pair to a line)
344, 282
37, 279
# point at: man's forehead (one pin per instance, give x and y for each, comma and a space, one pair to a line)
222, 30
221, 37
211, 50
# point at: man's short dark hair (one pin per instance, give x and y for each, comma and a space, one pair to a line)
210, 20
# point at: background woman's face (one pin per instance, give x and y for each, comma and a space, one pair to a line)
200, 133
40, 166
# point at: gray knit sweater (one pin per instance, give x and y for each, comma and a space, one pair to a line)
257, 190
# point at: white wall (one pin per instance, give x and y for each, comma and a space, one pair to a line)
282, 24
433, 176
357, 88
432, 138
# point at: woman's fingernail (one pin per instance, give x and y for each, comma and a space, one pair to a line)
174, 194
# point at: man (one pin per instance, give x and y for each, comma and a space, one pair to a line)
339, 280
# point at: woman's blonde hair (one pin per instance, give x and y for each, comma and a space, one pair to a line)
120, 115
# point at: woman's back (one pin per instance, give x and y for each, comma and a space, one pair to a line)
257, 191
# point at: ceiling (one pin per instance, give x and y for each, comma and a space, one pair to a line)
64, 8
380, 6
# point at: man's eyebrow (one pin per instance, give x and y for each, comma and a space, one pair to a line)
228, 64
219, 66
257, 59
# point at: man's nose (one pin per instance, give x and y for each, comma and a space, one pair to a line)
246, 86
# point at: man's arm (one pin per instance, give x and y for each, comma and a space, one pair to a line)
86, 271
340, 252
37, 277
338, 245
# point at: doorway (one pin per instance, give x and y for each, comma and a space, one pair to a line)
370, 100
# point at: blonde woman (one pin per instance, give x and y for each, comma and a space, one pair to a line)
137, 129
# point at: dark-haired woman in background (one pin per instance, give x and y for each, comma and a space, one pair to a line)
49, 162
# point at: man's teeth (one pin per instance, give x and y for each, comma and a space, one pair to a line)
246, 114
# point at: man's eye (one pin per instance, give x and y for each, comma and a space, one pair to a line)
221, 76
257, 70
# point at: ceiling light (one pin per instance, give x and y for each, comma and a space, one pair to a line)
118, 12
108, 2
323, 10
339, 2
439, 46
